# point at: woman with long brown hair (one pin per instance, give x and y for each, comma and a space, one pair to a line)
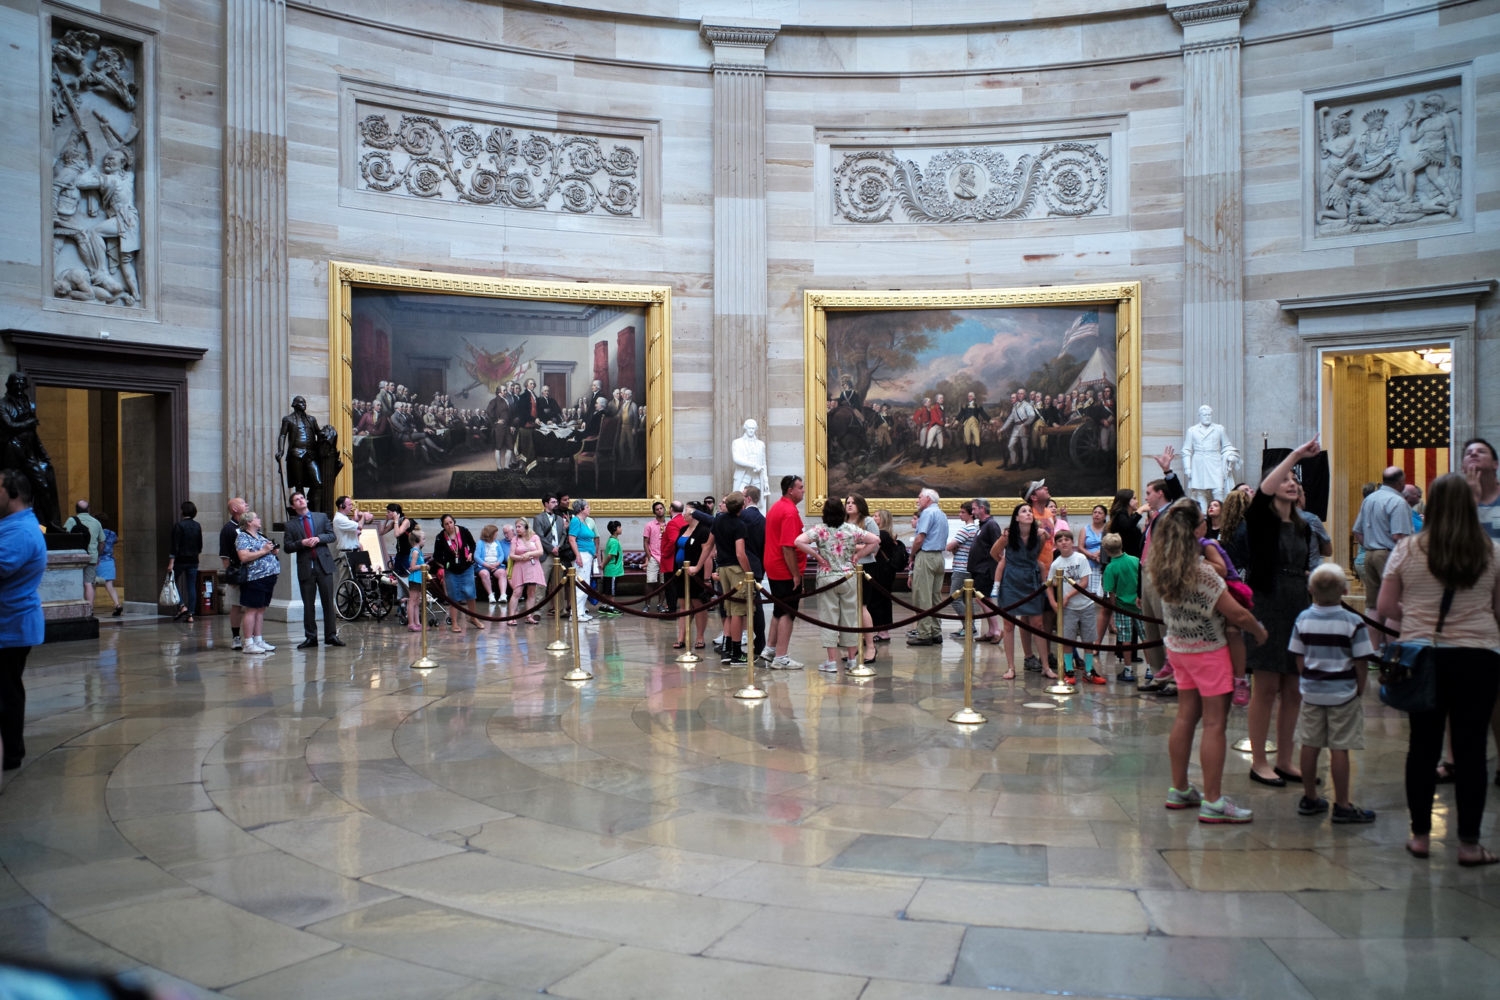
1443, 586
1197, 607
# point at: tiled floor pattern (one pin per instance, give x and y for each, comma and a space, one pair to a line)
333, 824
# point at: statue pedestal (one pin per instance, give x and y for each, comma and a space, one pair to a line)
68, 617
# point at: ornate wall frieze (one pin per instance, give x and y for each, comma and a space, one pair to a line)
96, 225
423, 155
1218, 10
1389, 161
968, 184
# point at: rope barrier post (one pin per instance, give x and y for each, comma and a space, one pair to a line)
860, 668
424, 662
1061, 686
966, 716
578, 673
751, 691
687, 655
557, 645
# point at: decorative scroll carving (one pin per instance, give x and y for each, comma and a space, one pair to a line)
477, 163
96, 226
974, 183
1389, 163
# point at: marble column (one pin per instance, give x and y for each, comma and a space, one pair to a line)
1213, 333
739, 175
256, 319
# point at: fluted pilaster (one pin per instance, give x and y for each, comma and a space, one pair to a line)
1213, 334
256, 366
739, 158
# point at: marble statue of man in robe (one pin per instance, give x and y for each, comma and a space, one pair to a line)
749, 454
1208, 458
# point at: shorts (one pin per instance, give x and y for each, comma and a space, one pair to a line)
731, 580
231, 592
90, 573
653, 569
789, 591
1210, 673
256, 594
1336, 727
1080, 624
1127, 626
1371, 573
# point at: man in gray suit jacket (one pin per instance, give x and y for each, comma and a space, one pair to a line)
309, 534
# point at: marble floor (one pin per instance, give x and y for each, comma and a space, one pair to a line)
334, 824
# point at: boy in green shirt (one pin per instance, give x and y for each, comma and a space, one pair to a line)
614, 566
1122, 584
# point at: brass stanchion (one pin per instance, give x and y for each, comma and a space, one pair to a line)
424, 662
1061, 685
557, 645
967, 716
860, 668
578, 673
750, 692
687, 655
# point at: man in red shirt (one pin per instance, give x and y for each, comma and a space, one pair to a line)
668, 554
785, 564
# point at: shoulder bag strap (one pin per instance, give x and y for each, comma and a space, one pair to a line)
1443, 610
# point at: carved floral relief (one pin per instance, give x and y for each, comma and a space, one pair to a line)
1389, 163
424, 156
96, 225
965, 184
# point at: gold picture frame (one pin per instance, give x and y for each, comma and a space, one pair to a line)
1027, 323
654, 372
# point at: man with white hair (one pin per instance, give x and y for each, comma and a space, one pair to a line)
749, 454
927, 566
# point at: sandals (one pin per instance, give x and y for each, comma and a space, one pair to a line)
534, 620
700, 645
413, 628
1009, 675
679, 645
1484, 858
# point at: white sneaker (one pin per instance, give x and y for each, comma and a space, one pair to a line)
785, 663
251, 646
265, 647
585, 617
829, 666
492, 598
237, 643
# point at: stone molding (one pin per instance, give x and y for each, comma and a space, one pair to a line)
494, 163
1215, 10
972, 184
739, 43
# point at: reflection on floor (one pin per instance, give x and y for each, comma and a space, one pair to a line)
332, 824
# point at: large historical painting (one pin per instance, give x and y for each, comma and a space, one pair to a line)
485, 397
971, 393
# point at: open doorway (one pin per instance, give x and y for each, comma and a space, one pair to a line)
1384, 406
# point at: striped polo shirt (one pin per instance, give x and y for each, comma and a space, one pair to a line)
1330, 640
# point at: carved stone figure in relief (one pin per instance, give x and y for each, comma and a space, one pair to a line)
1337, 145
1429, 149
96, 225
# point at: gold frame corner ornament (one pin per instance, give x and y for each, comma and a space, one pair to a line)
344, 277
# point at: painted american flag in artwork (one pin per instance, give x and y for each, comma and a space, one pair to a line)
1416, 426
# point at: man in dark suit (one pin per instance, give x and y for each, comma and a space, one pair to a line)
309, 534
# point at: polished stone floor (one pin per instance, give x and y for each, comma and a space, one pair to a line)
334, 824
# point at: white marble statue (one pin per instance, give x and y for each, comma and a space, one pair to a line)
1208, 458
749, 454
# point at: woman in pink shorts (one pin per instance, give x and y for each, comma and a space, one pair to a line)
1197, 606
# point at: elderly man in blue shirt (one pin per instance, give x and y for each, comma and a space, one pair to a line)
927, 566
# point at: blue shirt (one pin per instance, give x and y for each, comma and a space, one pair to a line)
23, 559
932, 525
580, 530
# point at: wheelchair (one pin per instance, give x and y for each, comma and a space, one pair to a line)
365, 592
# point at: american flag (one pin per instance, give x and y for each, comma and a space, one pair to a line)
1416, 426
1086, 325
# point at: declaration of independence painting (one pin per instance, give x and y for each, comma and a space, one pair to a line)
466, 398
971, 401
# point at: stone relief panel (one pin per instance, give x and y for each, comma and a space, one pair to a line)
967, 184
415, 154
1390, 162
96, 225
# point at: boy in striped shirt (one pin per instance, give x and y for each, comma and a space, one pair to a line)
1329, 642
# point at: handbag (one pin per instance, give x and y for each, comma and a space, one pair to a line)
233, 574
168, 596
1408, 670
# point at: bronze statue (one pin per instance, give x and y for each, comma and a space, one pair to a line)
23, 450
301, 441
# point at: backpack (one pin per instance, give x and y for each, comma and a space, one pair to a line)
900, 557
